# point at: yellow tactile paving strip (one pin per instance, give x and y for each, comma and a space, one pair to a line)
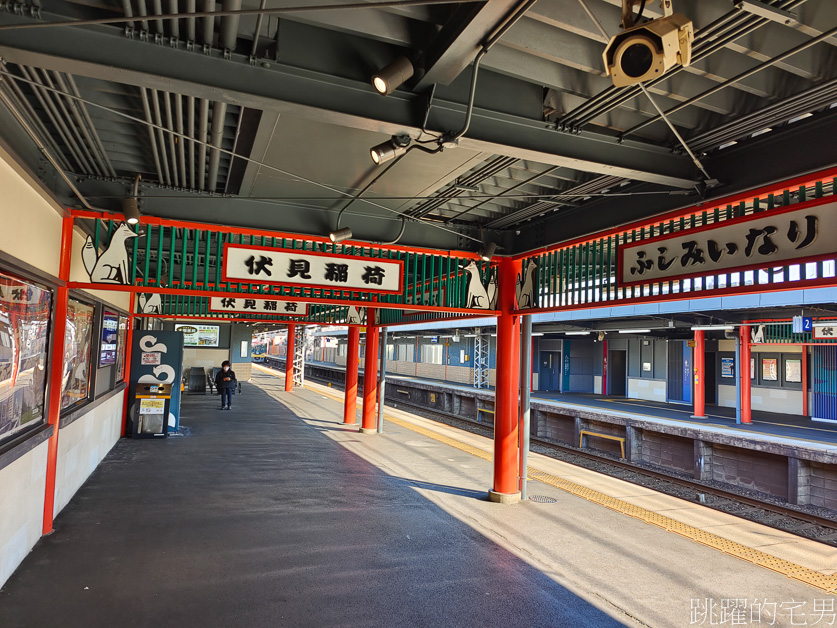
754, 556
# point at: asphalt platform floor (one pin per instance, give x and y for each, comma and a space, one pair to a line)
255, 518
276, 514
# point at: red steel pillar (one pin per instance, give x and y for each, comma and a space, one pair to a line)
352, 364
700, 374
604, 367
129, 340
370, 377
289, 359
507, 388
56, 369
746, 411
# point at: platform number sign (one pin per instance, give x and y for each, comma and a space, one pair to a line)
802, 324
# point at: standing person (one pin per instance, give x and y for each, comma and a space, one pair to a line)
225, 382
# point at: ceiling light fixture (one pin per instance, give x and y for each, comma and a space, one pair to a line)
392, 148
393, 76
130, 205
577, 333
634, 331
487, 252
713, 327
340, 235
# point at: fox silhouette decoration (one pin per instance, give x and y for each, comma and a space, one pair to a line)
112, 265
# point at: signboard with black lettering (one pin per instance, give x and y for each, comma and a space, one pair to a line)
792, 235
306, 268
254, 305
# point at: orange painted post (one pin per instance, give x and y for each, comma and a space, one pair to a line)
746, 411
129, 339
804, 380
370, 377
289, 359
56, 369
352, 364
507, 389
700, 374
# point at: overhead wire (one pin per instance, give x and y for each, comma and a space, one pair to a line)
158, 17
4, 72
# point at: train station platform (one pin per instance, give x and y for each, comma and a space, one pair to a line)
277, 514
769, 424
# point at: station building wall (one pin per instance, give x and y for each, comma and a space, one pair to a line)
30, 244
448, 358
767, 395
230, 337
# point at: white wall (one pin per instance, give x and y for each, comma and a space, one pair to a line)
22, 486
765, 399
83, 444
207, 358
31, 232
648, 389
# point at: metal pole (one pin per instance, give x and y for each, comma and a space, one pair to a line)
382, 380
525, 413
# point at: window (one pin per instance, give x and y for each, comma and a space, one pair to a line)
24, 330
110, 338
432, 354
390, 352
120, 350
341, 350
75, 381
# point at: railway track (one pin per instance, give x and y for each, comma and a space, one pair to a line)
761, 509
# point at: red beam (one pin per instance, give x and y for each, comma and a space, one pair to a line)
822, 282
56, 369
700, 374
245, 231
80, 285
746, 408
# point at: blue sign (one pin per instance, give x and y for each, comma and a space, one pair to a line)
687, 373
157, 358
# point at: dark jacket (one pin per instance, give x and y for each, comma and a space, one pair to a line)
220, 384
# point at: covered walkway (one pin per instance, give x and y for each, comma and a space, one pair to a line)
277, 514
257, 518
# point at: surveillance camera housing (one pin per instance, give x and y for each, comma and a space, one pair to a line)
646, 51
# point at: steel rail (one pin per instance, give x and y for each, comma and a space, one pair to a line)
657, 475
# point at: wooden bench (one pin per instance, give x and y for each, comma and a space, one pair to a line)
584, 433
486, 410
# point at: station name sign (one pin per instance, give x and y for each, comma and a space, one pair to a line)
306, 268
254, 305
792, 235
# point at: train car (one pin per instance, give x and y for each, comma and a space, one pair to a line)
259, 350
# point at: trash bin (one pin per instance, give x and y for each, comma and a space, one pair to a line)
151, 411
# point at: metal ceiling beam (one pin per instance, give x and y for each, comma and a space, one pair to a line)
456, 45
107, 54
803, 147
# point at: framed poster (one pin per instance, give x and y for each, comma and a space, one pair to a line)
120, 350
199, 335
793, 371
770, 369
110, 338
727, 367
